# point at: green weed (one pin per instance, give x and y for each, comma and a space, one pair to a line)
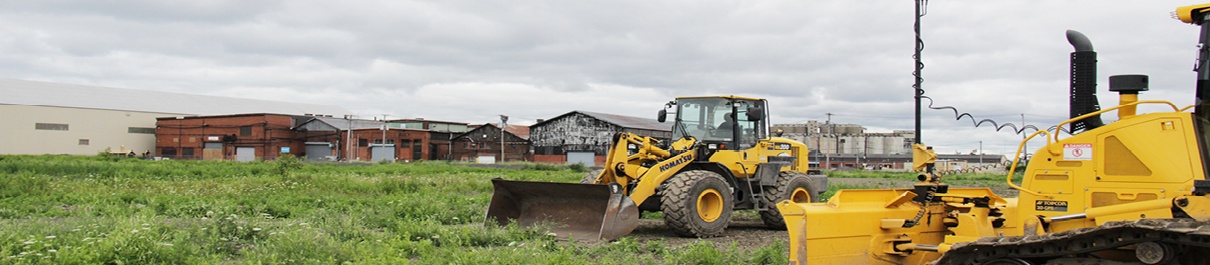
99, 210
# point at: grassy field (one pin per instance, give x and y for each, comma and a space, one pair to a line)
107, 210
103, 210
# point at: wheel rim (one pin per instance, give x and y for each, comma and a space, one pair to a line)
801, 195
709, 205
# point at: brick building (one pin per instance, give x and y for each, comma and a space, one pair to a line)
248, 137
330, 137
441, 134
482, 143
242, 137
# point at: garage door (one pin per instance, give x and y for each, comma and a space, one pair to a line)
382, 152
586, 158
245, 154
319, 151
486, 160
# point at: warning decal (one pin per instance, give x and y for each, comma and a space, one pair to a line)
1077, 151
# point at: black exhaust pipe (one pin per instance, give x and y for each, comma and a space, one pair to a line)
1083, 83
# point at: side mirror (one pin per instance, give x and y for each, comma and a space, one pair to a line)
756, 113
663, 116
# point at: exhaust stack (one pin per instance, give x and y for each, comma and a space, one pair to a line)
1083, 83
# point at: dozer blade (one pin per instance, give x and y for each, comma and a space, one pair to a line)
582, 212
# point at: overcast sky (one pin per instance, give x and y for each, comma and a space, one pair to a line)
471, 61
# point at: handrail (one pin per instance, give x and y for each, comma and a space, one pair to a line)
1012, 169
1094, 113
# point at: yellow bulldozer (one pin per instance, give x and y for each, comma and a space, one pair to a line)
721, 157
1129, 191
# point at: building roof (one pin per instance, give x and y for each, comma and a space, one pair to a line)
428, 121
623, 121
520, 131
342, 124
35, 93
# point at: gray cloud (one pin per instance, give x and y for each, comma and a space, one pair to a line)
473, 60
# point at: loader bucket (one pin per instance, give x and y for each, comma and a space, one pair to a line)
582, 212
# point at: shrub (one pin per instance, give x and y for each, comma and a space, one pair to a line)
286, 164
578, 167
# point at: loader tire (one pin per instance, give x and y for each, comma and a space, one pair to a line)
697, 203
591, 177
793, 186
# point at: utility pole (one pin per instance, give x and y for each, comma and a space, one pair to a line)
919, 90
503, 124
383, 145
348, 137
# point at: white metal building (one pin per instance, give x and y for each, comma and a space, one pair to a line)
52, 118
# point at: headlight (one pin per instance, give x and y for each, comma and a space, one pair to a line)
712, 146
632, 146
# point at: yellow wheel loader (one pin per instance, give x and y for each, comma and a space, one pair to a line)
720, 158
1130, 191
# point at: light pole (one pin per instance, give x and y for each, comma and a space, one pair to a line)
503, 124
980, 153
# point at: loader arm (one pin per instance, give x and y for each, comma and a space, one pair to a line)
638, 180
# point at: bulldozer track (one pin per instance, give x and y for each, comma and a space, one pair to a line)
1079, 242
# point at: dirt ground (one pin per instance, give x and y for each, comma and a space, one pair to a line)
749, 233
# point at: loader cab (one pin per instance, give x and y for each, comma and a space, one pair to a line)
722, 123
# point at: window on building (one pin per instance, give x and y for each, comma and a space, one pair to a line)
141, 130
363, 142
168, 151
245, 131
50, 126
83, 141
187, 152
